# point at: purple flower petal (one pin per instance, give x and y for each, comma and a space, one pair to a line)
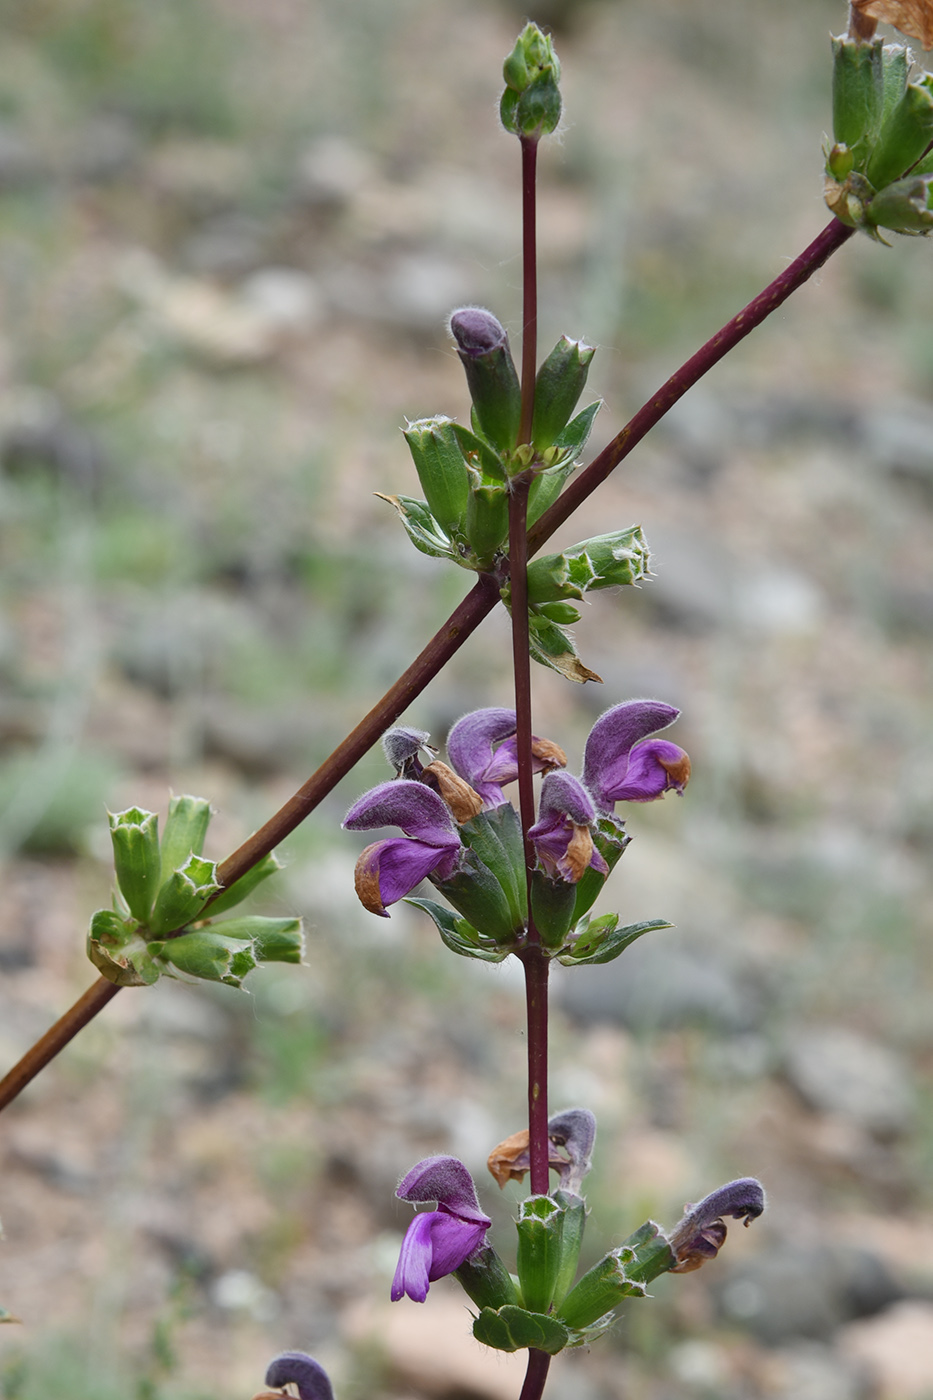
297, 1368
701, 1233
435, 1244
655, 767
410, 805
561, 834
447, 1181
388, 870
470, 749
610, 748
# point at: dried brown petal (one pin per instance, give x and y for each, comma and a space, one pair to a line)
914, 18
578, 855
463, 802
548, 754
503, 1160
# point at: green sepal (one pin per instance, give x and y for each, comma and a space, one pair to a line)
496, 395
183, 895
574, 1224
895, 64
441, 470
605, 561
272, 940
858, 93
487, 521
651, 1251
206, 955
118, 950
185, 830
558, 385
232, 895
602, 1289
906, 206
904, 137
610, 839
550, 1232
602, 940
511, 1328
476, 894
496, 837
136, 858
422, 529
458, 934
486, 1280
552, 904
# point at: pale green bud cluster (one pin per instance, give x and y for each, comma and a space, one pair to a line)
163, 887
531, 104
879, 173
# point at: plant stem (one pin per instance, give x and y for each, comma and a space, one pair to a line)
538, 1365
464, 620
529, 284
56, 1038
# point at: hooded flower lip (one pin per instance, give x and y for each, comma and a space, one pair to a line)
438, 1241
702, 1231
561, 835
299, 1369
622, 764
402, 745
388, 870
471, 748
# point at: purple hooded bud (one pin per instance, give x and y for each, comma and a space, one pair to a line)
401, 747
573, 1131
561, 835
621, 764
438, 1241
476, 331
483, 347
297, 1368
702, 1231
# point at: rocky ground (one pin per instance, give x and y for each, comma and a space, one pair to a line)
229, 236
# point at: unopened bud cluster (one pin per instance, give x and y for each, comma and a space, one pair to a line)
879, 172
155, 927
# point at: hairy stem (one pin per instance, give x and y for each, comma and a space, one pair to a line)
480, 601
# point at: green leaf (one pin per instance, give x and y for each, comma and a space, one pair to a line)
602, 941
459, 935
553, 647
422, 529
511, 1328
496, 837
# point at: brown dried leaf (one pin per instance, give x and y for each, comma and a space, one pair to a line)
914, 18
503, 1161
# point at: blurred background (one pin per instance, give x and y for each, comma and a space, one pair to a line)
230, 232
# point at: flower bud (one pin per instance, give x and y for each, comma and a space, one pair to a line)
136, 858
558, 386
531, 103
483, 347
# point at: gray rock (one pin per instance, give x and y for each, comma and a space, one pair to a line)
105, 149
835, 1070
19, 163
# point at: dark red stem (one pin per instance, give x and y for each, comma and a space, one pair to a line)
481, 600
535, 1376
529, 284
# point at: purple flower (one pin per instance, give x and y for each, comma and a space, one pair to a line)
297, 1368
561, 835
701, 1233
388, 870
621, 764
471, 748
438, 1241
